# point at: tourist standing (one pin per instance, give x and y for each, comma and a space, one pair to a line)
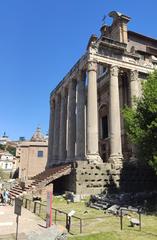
5, 195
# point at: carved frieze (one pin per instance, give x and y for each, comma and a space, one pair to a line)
145, 63
108, 52
128, 59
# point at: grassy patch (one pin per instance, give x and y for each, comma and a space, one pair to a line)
115, 235
98, 225
80, 208
100, 236
110, 229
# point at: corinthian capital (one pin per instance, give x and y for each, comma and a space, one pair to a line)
114, 70
92, 66
133, 75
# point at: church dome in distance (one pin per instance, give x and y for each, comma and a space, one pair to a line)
38, 136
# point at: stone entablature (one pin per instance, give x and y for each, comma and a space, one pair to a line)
107, 77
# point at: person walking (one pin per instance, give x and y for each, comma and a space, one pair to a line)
1, 196
5, 195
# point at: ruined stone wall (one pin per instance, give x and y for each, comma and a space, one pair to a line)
92, 178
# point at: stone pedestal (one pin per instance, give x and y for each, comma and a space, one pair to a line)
93, 178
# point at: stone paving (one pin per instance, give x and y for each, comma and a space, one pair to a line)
28, 222
31, 227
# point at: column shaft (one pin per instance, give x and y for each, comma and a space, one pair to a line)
63, 124
134, 91
71, 121
80, 118
56, 129
115, 128
51, 133
92, 113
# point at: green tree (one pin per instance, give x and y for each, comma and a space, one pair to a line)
2, 147
3, 174
11, 150
141, 122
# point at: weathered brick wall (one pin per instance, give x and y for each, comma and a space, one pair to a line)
91, 178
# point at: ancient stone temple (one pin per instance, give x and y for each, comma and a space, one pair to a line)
86, 129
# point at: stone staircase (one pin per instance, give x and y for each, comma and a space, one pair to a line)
17, 190
53, 173
40, 180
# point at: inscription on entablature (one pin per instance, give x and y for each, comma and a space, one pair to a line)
128, 59
108, 52
145, 63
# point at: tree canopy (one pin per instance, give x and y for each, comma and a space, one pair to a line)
141, 122
3, 174
9, 148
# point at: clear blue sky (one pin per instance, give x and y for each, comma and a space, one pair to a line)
40, 40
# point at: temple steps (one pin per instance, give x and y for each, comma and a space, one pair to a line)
48, 173
41, 180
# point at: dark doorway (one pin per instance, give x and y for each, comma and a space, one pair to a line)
104, 127
60, 185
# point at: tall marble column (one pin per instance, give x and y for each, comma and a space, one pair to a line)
134, 91
80, 117
71, 121
92, 113
63, 125
56, 129
51, 133
115, 128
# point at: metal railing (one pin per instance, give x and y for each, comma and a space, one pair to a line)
73, 224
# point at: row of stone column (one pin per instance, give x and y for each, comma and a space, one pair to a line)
67, 122
67, 119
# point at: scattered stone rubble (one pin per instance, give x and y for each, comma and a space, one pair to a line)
112, 203
71, 197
